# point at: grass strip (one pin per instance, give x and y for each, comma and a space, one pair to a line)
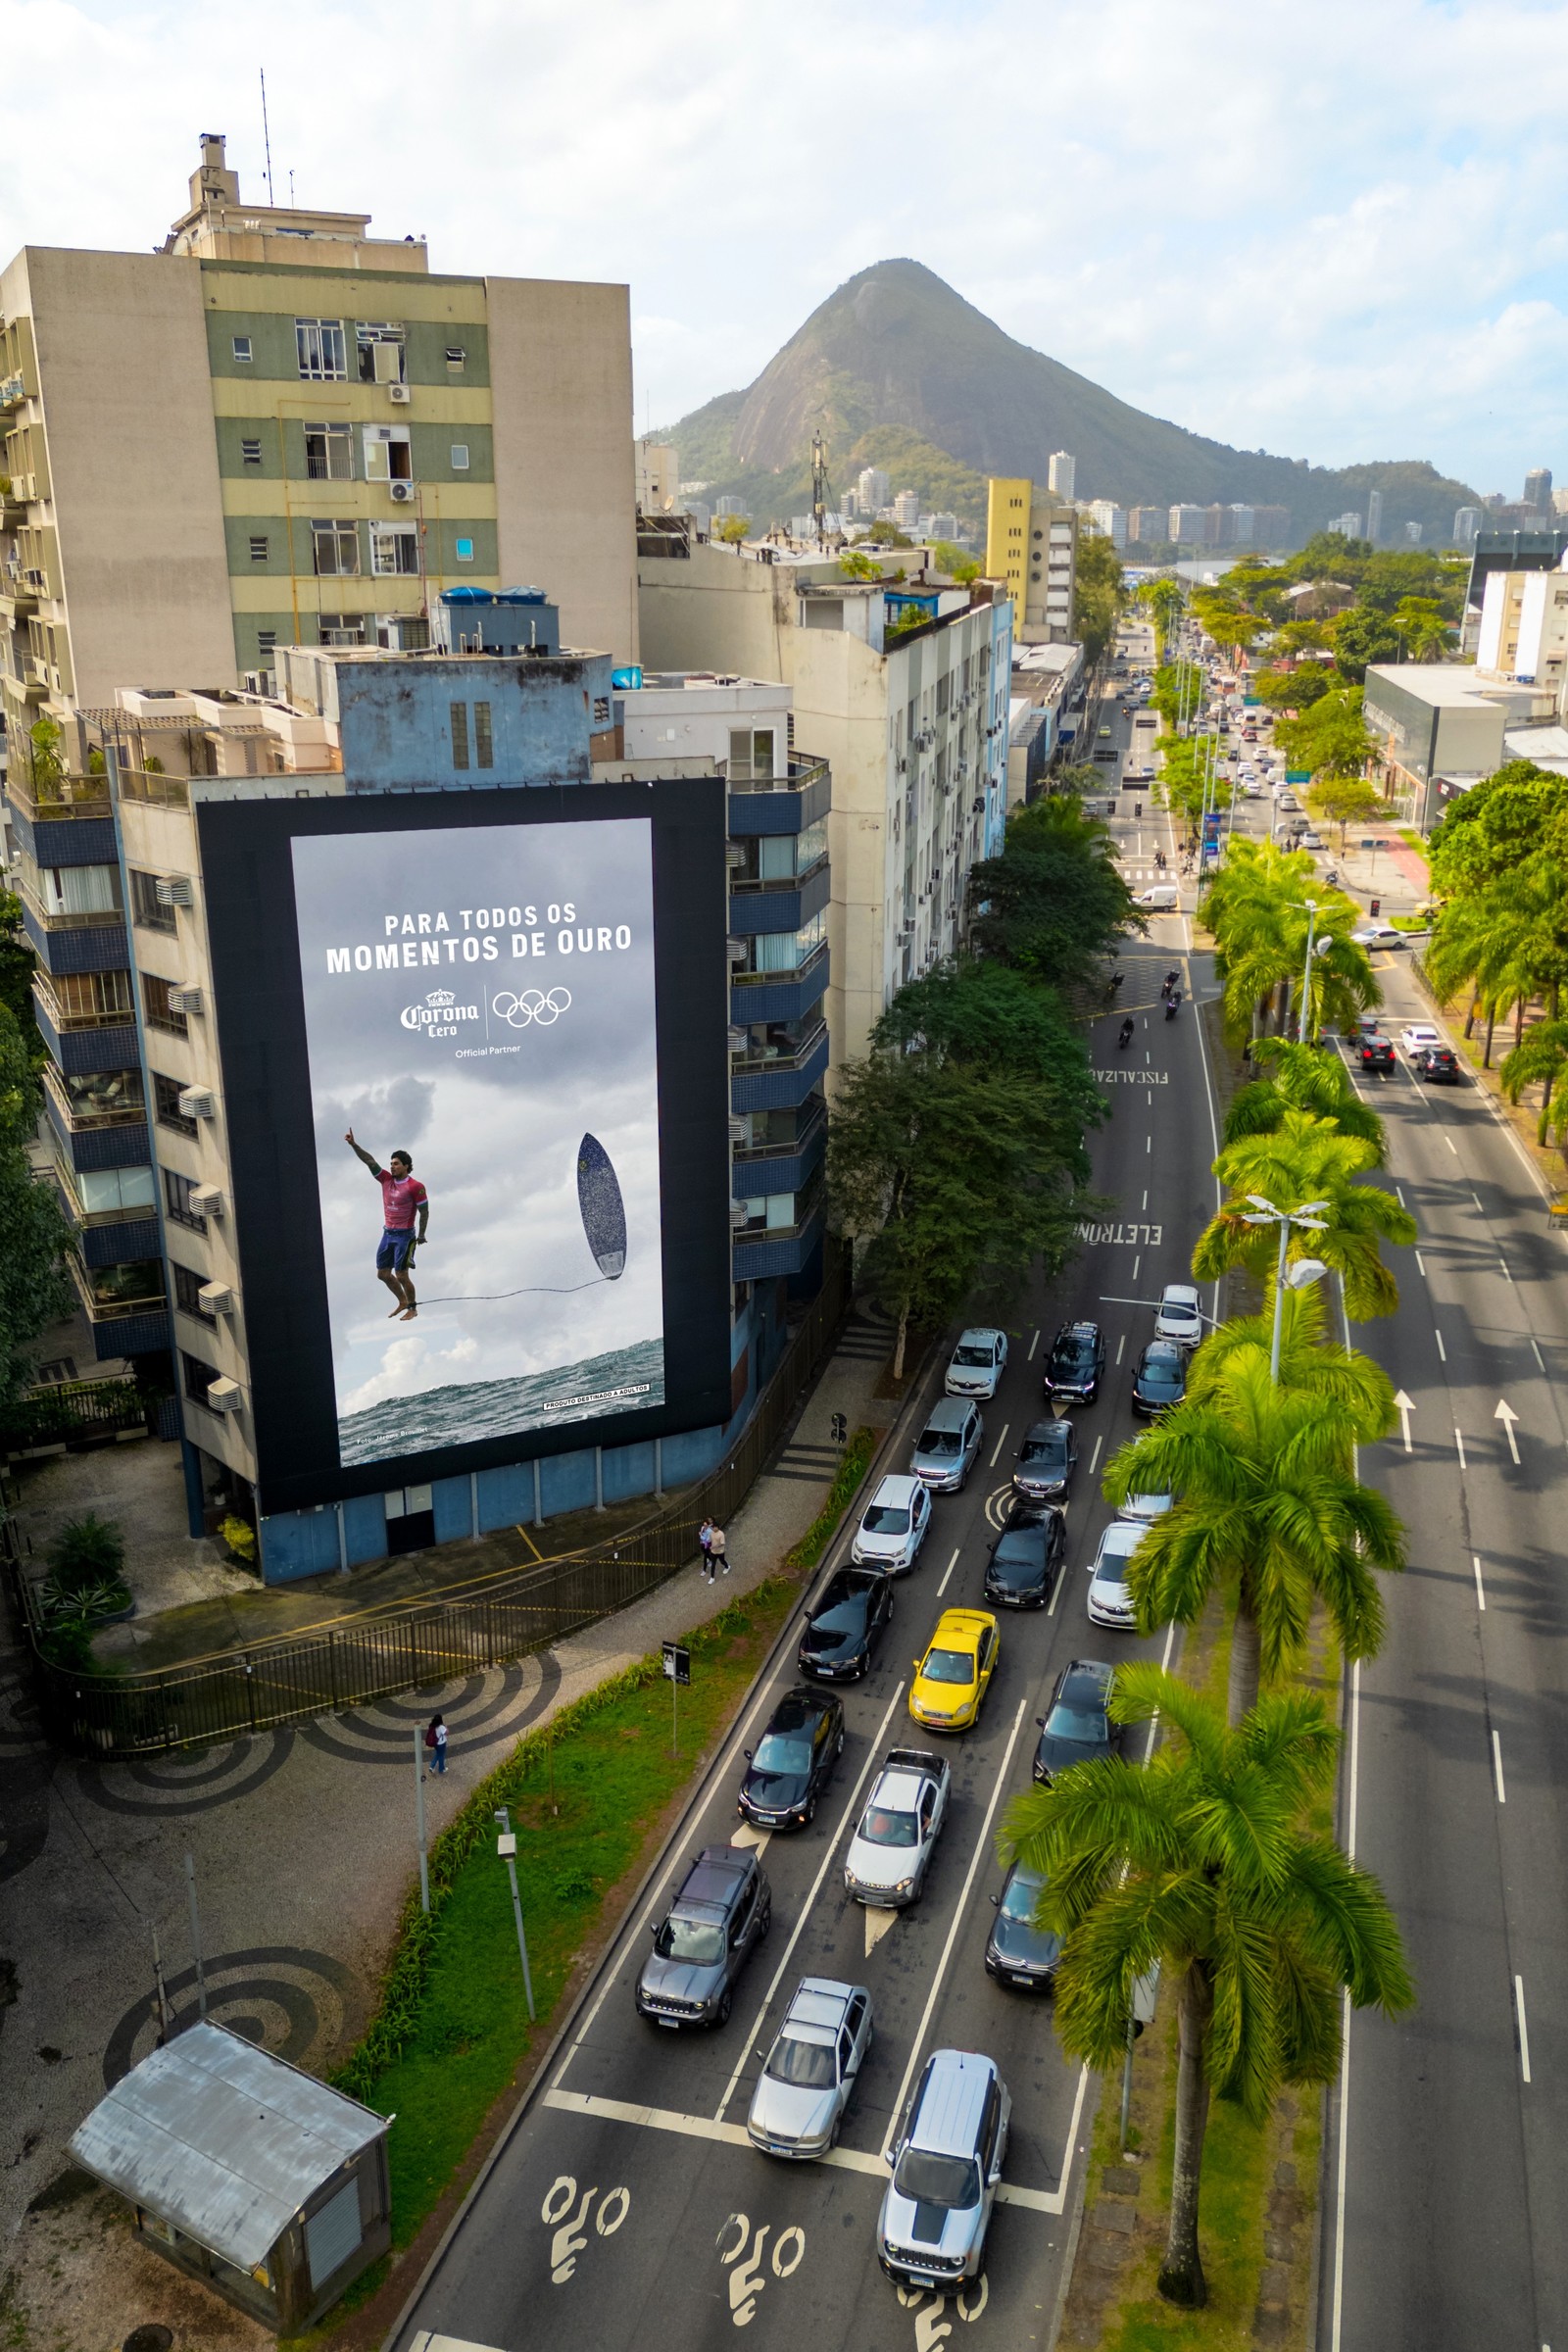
586, 1793
852, 1470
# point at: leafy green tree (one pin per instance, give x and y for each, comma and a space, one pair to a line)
1331, 738
1054, 903
734, 529
951, 557
1345, 801
1189, 778
1099, 595
1423, 626
1178, 691
35, 1290
885, 534
1257, 909
1298, 1077
1362, 636
1294, 689
855, 567
1497, 824
1201, 1861
1304, 1158
17, 966
1163, 600
1541, 1060
984, 1013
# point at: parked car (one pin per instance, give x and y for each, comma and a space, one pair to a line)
794, 1760
703, 1942
1076, 1727
1026, 1559
1110, 1602
1076, 1363
890, 1851
1418, 1035
892, 1526
1046, 1462
1017, 1952
1375, 1054
945, 1450
953, 1678
1159, 1379
1179, 1316
1437, 1065
946, 2167
845, 1624
977, 1364
809, 2076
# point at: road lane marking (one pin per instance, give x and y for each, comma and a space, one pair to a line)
1504, 1264
1453, 1145
1475, 1196
1421, 1261
1033, 1345
945, 1573
1524, 2031
1442, 1352
1149, 1143
1145, 1200
1508, 1416
1121, 1346
1481, 1591
1137, 1262
877, 1924
1095, 1456
747, 1832
996, 1453
1399, 1195
981, 1853
1458, 1438
1404, 1406
1345, 2023
1540, 1360
1496, 1767
845, 1818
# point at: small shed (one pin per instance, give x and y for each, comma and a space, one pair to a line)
245, 2172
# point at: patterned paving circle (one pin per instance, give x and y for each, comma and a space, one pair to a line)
480, 1712
187, 1780
289, 2001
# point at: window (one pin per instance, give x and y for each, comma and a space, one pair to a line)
389, 454
242, 349
166, 1102
115, 1192
250, 453
178, 1191
787, 951
329, 453
600, 710
456, 357
337, 549
267, 641
459, 734
258, 545
379, 346
464, 551
199, 1377
323, 353
394, 550
341, 628
80, 889
144, 903
158, 1011
460, 456
188, 1292
111, 1095
91, 995
484, 754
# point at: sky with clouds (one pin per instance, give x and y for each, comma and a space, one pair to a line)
1337, 233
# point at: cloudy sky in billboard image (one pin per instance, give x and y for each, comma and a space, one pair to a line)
544, 936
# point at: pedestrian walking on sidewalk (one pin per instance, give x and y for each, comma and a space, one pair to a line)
717, 1550
704, 1537
435, 1741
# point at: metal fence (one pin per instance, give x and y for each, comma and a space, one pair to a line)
489, 1622
71, 1412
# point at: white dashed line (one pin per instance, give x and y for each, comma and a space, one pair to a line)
1496, 1768
1442, 1352
1421, 1261
1458, 1438
1524, 2031
952, 1564
1455, 1148
1121, 1346
1537, 1356
1481, 1591
1095, 1456
995, 1452
1033, 1345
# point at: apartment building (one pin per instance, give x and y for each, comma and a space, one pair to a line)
902, 688
1032, 548
280, 429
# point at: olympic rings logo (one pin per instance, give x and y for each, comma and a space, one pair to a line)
532, 1006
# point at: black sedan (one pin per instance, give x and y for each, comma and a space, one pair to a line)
1078, 1727
1160, 1380
1017, 1952
1437, 1065
1026, 1559
1375, 1053
1076, 1363
793, 1761
842, 1630
1045, 1461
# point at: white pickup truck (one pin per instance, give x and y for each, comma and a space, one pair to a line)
890, 1851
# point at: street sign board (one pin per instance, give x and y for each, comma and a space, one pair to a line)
1298, 775
677, 1664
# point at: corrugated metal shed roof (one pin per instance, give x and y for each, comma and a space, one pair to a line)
223, 2139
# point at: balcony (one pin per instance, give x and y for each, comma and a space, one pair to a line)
779, 1081
777, 804
154, 789
13, 390
83, 1042
787, 903
61, 796
760, 1250
96, 1100
114, 1293
785, 1163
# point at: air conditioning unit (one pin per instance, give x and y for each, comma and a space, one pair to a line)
226, 1395
738, 1214
176, 890
735, 950
739, 1131
736, 1038
185, 1000
207, 1200
196, 1102
403, 493
217, 1298
401, 394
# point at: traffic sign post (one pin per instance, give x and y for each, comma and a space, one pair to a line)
677, 1669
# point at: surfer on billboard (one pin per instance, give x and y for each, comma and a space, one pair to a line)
403, 1198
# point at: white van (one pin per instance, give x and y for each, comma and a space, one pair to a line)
1164, 899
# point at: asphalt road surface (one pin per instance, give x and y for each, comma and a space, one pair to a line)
627, 2208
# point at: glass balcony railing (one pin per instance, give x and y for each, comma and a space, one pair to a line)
59, 797
69, 1002
113, 1294
788, 977
784, 1146
105, 1099
745, 776
777, 1051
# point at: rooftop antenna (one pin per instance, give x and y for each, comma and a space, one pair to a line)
267, 141
820, 489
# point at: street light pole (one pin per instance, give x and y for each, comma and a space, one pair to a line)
1307, 971
1309, 1218
507, 1848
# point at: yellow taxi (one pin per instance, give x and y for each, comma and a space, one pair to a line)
955, 1674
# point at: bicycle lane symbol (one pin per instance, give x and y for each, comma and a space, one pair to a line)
745, 2279
932, 2326
571, 2228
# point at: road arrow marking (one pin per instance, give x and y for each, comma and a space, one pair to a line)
1508, 1416
877, 1924
749, 1834
1404, 1406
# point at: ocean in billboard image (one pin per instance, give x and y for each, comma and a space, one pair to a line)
479, 1010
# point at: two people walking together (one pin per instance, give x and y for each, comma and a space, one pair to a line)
715, 1553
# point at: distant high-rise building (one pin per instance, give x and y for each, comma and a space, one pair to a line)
1032, 548
728, 505
1347, 525
1559, 502
1187, 526
1271, 527
1062, 475
907, 510
1537, 488
1412, 534
1374, 516
1148, 527
1466, 524
939, 526
873, 489
1109, 520
658, 476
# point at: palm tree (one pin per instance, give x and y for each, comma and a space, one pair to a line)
1200, 1861
1256, 909
1541, 1060
1304, 1158
1307, 1361
1267, 1499
1297, 1078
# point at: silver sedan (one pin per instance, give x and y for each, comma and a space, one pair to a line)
810, 2072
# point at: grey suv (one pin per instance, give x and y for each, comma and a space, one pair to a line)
709, 1931
945, 1450
947, 2166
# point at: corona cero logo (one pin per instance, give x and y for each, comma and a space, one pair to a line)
532, 1006
439, 1014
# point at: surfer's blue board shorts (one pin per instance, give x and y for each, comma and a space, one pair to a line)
393, 1256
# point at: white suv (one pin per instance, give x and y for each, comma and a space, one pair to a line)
892, 1526
1179, 1316
977, 1364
